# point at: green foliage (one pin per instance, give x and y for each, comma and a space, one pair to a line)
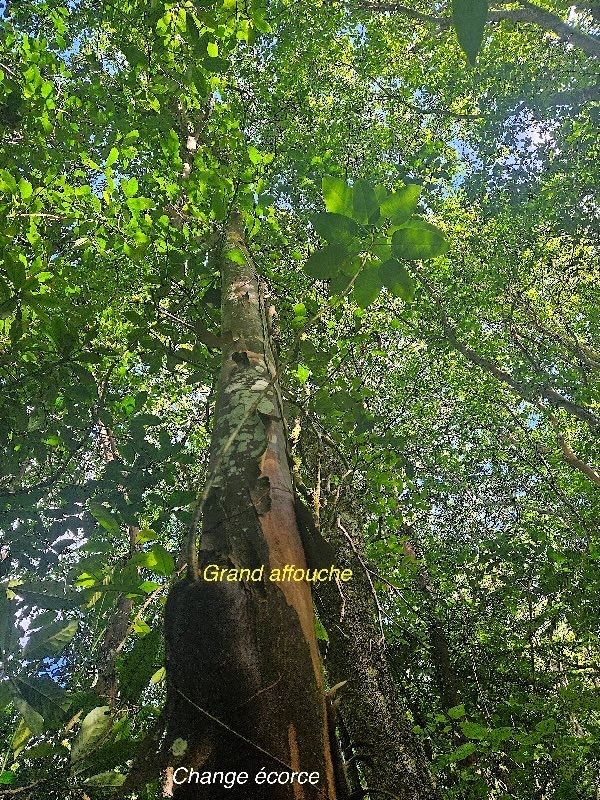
457, 251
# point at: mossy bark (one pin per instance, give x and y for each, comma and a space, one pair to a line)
245, 652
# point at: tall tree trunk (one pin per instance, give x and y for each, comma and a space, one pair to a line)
374, 713
245, 686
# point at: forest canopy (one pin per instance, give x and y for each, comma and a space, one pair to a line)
313, 285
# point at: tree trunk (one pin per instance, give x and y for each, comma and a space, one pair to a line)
245, 689
374, 713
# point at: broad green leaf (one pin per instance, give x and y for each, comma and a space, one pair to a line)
462, 752
236, 255
473, 731
217, 65
320, 631
365, 207
104, 517
396, 278
139, 203
337, 195
367, 285
302, 373
22, 735
382, 249
47, 594
94, 728
419, 240
25, 189
339, 283
7, 777
456, 712
469, 18
159, 676
158, 559
337, 229
130, 187
50, 640
45, 696
105, 779
7, 182
323, 264
254, 154
32, 719
399, 206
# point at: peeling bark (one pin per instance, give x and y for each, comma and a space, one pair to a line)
244, 678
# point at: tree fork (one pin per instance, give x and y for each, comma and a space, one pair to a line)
244, 676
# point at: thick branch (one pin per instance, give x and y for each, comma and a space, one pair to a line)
534, 15
529, 13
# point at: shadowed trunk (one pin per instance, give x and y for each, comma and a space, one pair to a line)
391, 759
244, 674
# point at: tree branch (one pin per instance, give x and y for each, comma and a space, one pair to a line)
529, 13
521, 389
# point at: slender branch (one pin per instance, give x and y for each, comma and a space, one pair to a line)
523, 391
211, 340
439, 112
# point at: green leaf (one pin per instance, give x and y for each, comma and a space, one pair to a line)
367, 286
456, 712
112, 157
236, 255
105, 779
50, 640
320, 631
7, 182
130, 187
139, 203
47, 594
159, 676
45, 696
337, 229
94, 728
22, 735
365, 207
158, 559
337, 195
339, 283
254, 154
217, 65
399, 206
25, 189
462, 752
7, 777
469, 18
473, 731
104, 517
33, 720
419, 240
396, 278
323, 264
302, 373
